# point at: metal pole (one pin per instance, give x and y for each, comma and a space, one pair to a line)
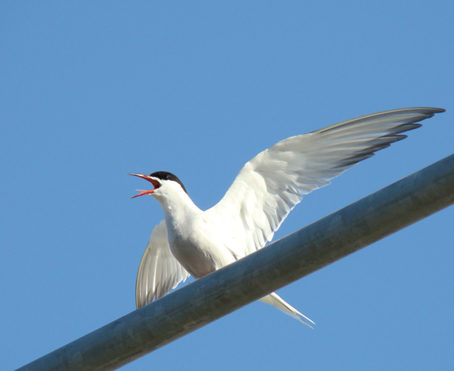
287, 260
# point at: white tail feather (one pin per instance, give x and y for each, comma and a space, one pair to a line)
274, 300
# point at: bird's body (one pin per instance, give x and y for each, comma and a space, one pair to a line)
191, 238
196, 242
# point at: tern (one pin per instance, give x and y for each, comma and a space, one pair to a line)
189, 241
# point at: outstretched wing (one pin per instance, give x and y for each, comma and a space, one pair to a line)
159, 271
273, 182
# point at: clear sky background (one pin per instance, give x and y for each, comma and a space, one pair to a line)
90, 91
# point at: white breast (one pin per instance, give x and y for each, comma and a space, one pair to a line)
196, 245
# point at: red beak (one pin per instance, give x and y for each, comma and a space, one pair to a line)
153, 181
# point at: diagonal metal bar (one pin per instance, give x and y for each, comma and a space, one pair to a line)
287, 260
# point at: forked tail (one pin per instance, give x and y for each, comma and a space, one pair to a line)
280, 304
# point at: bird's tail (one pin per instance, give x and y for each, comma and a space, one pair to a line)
280, 304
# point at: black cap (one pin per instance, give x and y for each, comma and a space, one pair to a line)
164, 175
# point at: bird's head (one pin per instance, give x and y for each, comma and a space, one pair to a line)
165, 184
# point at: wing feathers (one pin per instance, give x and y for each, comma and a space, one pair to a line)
273, 182
159, 271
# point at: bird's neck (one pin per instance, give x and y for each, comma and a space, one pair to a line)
179, 212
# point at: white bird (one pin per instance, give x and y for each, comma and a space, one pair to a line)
192, 241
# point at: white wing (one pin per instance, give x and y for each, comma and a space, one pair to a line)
159, 271
273, 182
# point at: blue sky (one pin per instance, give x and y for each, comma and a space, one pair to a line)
93, 90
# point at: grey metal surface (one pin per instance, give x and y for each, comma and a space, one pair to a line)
287, 260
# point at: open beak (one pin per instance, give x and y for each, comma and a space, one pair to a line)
153, 181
